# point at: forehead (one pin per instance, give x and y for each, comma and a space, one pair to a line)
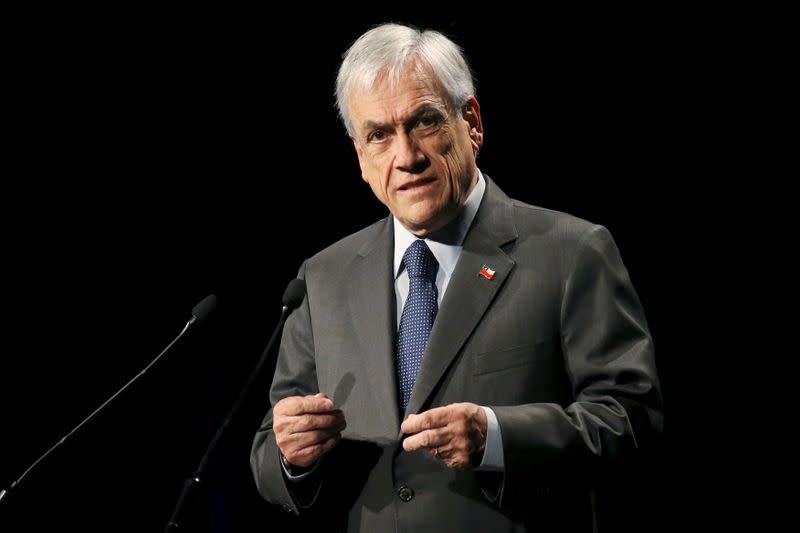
385, 101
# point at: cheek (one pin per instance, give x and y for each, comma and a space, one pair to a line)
377, 178
444, 149
453, 157
456, 159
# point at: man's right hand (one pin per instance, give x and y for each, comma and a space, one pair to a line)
306, 428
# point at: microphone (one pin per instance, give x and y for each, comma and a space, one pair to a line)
294, 294
204, 308
292, 298
200, 313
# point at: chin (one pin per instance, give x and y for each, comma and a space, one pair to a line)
422, 227
418, 226
424, 217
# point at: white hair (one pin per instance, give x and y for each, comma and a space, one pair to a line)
387, 50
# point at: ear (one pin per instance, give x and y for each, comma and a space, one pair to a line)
472, 115
360, 154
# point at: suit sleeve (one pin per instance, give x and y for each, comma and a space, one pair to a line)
608, 356
295, 375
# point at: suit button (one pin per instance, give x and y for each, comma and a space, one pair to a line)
405, 493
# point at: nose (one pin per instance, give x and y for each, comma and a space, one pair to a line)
409, 157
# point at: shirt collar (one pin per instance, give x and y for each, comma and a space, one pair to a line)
446, 243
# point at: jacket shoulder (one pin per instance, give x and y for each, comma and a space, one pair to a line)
536, 220
342, 251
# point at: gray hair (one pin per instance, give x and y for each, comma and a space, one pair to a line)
388, 49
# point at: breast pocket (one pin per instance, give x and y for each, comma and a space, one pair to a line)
508, 359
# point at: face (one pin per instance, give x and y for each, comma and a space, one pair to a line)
418, 158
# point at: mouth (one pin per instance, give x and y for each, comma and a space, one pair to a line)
417, 185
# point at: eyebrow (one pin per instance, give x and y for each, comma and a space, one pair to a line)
421, 111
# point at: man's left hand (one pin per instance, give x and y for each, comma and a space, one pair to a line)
455, 434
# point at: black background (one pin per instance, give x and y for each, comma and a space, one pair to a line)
156, 158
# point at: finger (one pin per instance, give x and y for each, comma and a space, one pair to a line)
427, 439
310, 438
437, 417
318, 403
289, 444
440, 453
298, 405
330, 443
310, 422
310, 454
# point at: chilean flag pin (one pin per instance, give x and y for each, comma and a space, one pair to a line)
486, 272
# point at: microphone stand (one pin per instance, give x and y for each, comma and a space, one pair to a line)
203, 308
191, 485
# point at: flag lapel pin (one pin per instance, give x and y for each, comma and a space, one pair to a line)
486, 272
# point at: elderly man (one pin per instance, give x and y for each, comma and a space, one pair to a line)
469, 363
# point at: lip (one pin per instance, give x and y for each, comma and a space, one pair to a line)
419, 185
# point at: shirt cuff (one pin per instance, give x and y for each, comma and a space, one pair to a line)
297, 477
493, 460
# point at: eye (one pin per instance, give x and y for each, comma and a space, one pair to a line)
428, 121
376, 136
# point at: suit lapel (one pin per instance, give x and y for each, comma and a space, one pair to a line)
372, 304
468, 293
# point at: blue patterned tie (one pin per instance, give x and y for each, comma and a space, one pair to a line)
418, 315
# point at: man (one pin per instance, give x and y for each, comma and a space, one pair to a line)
470, 363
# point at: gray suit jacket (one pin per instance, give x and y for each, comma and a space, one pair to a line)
556, 343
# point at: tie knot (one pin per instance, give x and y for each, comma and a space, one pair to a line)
420, 262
